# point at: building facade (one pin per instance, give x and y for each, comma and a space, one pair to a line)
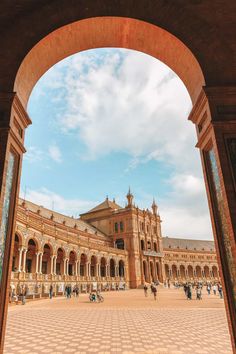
107, 248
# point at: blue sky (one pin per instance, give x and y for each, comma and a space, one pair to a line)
107, 119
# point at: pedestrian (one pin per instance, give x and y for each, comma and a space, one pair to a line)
23, 295
214, 289
145, 288
50, 291
208, 289
220, 290
198, 293
154, 291
189, 292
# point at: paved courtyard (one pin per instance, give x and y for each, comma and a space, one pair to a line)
126, 322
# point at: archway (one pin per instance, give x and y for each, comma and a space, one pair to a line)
190, 271
142, 242
103, 267
174, 272
47, 262
158, 270
93, 265
60, 261
152, 275
215, 272
30, 265
193, 82
167, 271
145, 275
207, 272
83, 264
198, 272
182, 272
112, 268
121, 269
72, 263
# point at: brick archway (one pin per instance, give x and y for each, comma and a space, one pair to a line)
213, 112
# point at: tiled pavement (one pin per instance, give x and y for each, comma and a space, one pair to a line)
125, 323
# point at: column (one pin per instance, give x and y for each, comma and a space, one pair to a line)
78, 268
88, 269
40, 262
52, 261
67, 266
107, 270
55, 264
24, 260
214, 115
20, 259
37, 263
64, 266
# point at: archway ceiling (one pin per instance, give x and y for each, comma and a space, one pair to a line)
206, 27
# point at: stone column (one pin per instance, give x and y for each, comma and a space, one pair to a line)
55, 264
52, 262
40, 262
64, 266
214, 115
20, 259
24, 260
78, 268
67, 266
37, 262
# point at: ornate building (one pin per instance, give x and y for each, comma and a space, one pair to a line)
108, 247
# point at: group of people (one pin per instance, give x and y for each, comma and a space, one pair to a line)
14, 297
95, 296
188, 289
153, 288
69, 291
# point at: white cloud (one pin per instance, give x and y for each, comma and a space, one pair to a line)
55, 153
33, 154
51, 200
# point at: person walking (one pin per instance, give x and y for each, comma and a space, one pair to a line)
145, 288
189, 292
220, 290
198, 293
214, 289
208, 289
154, 291
50, 291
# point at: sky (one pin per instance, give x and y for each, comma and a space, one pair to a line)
107, 119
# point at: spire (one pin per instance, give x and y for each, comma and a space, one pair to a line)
130, 198
154, 207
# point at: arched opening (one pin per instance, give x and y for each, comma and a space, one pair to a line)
182, 271
142, 242
121, 269
83, 263
93, 265
155, 246
47, 263
145, 271
207, 271
17, 254
30, 266
198, 272
60, 261
72, 263
167, 271
152, 271
174, 272
215, 272
158, 271
148, 245
120, 244
103, 267
112, 268
190, 271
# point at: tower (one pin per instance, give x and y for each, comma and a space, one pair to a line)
130, 198
154, 207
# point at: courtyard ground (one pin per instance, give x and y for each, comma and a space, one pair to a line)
126, 322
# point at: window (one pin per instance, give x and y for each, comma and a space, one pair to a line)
116, 227
148, 245
142, 245
155, 247
120, 244
121, 226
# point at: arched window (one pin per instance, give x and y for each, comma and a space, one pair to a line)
148, 245
116, 227
142, 245
121, 226
120, 244
155, 247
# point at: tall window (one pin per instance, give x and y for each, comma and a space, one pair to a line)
116, 227
142, 245
155, 247
149, 245
121, 226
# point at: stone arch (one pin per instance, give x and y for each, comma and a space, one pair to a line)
103, 264
83, 264
198, 272
206, 270
112, 268
174, 271
17, 252
182, 271
152, 271
72, 262
83, 34
190, 271
121, 268
167, 271
47, 258
93, 265
61, 255
215, 272
145, 271
31, 254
